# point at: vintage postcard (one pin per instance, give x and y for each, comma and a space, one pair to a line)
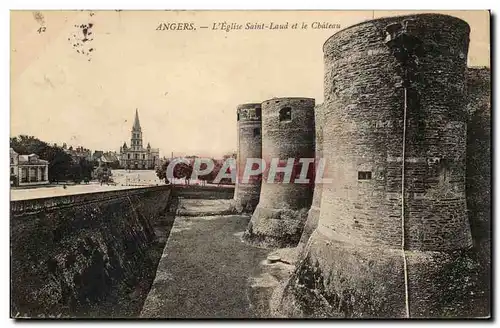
250, 164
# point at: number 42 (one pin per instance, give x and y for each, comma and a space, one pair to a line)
41, 29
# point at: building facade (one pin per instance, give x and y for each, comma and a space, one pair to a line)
136, 157
110, 158
28, 170
78, 153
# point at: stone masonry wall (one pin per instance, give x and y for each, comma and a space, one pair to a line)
70, 253
352, 265
282, 210
314, 211
364, 112
203, 192
479, 168
479, 152
246, 195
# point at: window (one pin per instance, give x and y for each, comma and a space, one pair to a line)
285, 114
12, 160
143, 156
444, 174
128, 156
136, 156
24, 174
256, 132
364, 175
33, 174
238, 117
11, 170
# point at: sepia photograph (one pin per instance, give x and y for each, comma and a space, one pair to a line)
250, 164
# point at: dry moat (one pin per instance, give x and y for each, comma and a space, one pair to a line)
167, 253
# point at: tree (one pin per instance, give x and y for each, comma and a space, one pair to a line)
81, 171
76, 173
161, 171
87, 168
24, 144
60, 164
205, 177
182, 170
103, 174
218, 166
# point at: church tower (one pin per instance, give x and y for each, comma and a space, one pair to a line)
136, 139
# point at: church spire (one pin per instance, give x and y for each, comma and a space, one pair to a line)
137, 125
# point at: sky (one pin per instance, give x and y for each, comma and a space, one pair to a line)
186, 84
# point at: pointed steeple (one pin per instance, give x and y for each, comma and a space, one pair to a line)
137, 125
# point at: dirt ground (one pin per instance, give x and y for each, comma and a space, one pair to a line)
206, 271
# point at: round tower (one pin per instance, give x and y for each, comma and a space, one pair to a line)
288, 133
478, 182
249, 116
393, 235
479, 154
313, 214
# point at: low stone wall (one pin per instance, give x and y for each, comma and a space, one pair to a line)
77, 255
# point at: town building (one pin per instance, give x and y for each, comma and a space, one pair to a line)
78, 153
136, 156
28, 170
109, 158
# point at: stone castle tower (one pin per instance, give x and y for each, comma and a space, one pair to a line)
249, 117
393, 236
479, 193
314, 211
287, 133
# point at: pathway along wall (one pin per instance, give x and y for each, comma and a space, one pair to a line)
288, 132
313, 215
249, 117
353, 265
